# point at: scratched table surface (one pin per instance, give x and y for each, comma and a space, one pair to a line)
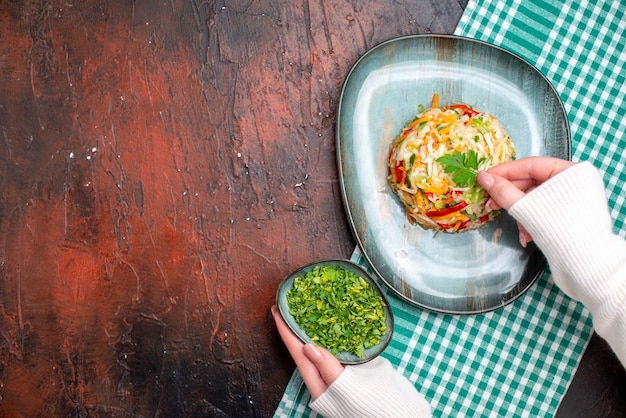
163, 166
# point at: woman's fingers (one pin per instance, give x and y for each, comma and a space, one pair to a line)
328, 366
524, 236
503, 195
507, 183
291, 340
307, 369
531, 169
502, 192
317, 366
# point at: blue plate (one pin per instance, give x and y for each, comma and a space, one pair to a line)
467, 273
343, 357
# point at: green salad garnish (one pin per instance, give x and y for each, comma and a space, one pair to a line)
338, 310
462, 166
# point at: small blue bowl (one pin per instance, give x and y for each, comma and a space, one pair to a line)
343, 357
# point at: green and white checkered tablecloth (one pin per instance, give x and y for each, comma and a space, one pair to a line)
581, 48
518, 361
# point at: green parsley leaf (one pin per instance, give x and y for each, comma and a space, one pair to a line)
462, 166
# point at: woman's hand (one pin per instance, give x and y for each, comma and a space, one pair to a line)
318, 367
372, 389
508, 182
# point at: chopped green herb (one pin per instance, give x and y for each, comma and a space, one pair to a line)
462, 166
480, 125
409, 122
470, 215
338, 310
408, 170
411, 161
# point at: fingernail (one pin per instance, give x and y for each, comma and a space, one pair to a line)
488, 206
522, 239
485, 179
312, 352
274, 309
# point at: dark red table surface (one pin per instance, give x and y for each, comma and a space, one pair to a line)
163, 166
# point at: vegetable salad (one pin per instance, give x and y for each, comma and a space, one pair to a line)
434, 161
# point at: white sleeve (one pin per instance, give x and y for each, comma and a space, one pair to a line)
373, 389
569, 220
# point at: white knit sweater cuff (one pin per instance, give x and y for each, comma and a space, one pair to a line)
569, 220
373, 389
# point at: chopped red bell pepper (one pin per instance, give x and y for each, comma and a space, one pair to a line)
446, 211
448, 199
463, 225
484, 218
400, 172
444, 226
464, 109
